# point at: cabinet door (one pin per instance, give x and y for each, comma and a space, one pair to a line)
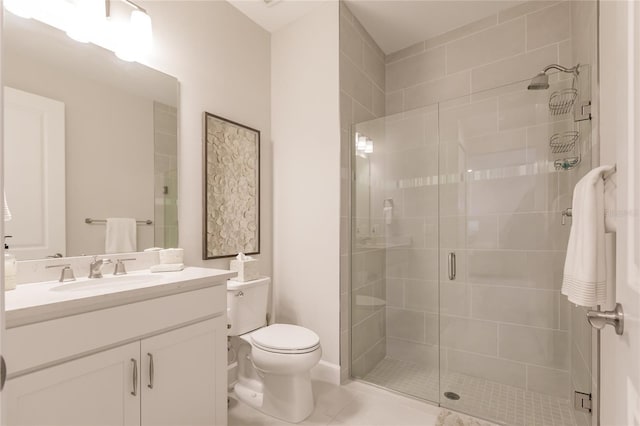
93, 390
184, 376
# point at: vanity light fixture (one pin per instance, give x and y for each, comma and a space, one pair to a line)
85, 20
364, 145
135, 37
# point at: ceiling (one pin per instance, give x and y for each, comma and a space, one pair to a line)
394, 24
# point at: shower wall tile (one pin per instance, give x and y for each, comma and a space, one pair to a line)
406, 325
523, 109
449, 87
455, 299
426, 66
477, 119
345, 114
512, 69
532, 231
421, 295
378, 100
538, 346
496, 150
538, 308
403, 53
469, 335
394, 102
366, 334
373, 65
482, 232
494, 43
549, 382
420, 354
463, 31
523, 9
530, 269
350, 42
490, 368
421, 201
354, 82
395, 292
549, 25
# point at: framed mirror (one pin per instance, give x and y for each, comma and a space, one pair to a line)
87, 137
231, 188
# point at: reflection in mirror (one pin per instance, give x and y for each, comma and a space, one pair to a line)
86, 136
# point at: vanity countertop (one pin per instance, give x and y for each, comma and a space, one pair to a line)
43, 301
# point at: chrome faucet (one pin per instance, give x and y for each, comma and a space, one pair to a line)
95, 267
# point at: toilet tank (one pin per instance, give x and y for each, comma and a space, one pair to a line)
247, 305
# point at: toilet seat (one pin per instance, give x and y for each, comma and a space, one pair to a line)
285, 339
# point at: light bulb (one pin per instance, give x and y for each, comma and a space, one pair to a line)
86, 19
135, 38
369, 146
362, 143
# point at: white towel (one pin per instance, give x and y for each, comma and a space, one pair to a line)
120, 235
584, 280
167, 267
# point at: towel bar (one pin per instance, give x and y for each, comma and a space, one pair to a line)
103, 221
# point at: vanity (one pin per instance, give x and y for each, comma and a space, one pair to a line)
141, 349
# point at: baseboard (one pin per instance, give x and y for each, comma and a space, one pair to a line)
326, 372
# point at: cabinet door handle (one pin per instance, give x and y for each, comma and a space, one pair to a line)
452, 266
134, 392
150, 385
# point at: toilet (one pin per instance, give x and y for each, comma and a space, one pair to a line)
274, 361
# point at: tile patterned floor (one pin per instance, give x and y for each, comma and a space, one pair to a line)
353, 404
494, 401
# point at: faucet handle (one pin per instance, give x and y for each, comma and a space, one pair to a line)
119, 268
66, 274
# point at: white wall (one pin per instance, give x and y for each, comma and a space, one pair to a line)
306, 164
221, 59
619, 143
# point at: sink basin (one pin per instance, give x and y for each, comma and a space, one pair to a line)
105, 283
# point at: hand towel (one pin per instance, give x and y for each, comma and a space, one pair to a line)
610, 203
120, 235
167, 267
584, 280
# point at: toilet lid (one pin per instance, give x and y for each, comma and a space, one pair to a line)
285, 337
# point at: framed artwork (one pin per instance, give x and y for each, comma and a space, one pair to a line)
231, 188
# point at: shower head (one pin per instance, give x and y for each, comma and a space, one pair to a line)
541, 80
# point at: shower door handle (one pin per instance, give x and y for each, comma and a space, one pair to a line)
452, 266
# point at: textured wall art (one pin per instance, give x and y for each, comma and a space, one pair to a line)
231, 188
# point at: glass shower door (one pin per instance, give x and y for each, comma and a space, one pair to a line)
507, 349
394, 286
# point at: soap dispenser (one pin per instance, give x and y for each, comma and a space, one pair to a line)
10, 267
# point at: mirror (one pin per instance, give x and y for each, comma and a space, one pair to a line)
87, 136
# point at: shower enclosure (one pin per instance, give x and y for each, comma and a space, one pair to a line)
459, 231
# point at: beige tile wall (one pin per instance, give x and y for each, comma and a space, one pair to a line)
503, 318
362, 88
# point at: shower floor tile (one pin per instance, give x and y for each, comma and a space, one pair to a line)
479, 397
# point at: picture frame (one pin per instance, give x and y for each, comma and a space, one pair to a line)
231, 188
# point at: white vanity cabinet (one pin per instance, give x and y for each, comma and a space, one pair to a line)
154, 362
93, 390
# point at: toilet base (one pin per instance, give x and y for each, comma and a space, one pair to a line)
286, 397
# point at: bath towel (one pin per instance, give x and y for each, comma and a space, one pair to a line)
120, 235
584, 279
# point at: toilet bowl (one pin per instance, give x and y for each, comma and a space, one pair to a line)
274, 362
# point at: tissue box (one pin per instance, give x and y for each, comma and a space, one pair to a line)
247, 269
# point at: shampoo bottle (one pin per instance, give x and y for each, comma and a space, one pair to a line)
10, 269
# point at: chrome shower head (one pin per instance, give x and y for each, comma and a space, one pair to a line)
539, 82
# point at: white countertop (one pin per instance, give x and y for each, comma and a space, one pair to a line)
43, 301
